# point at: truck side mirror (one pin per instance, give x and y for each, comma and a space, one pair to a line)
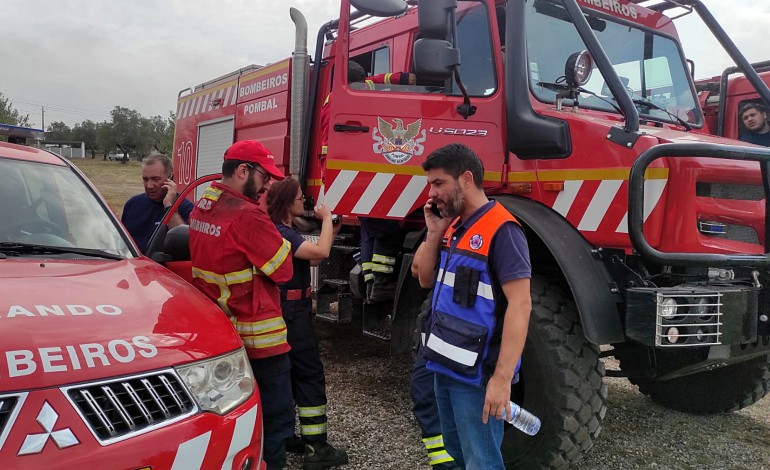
434, 18
435, 59
434, 56
385, 8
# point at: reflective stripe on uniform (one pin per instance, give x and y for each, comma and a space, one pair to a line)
386, 79
312, 429
433, 442
370, 84
324, 150
381, 268
368, 277
212, 193
247, 328
382, 259
441, 456
224, 281
264, 341
311, 411
280, 256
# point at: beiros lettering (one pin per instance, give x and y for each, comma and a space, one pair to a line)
74, 310
614, 6
260, 106
23, 362
205, 228
266, 84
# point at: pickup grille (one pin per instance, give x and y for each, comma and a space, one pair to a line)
118, 409
741, 192
8, 405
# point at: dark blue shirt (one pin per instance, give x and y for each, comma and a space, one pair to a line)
758, 139
509, 254
301, 278
141, 215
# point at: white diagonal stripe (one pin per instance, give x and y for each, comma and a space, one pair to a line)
373, 192
653, 190
338, 189
565, 198
448, 279
599, 205
227, 96
408, 196
185, 108
190, 453
459, 355
202, 103
193, 105
234, 96
244, 428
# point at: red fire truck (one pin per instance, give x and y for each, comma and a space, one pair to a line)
647, 238
107, 359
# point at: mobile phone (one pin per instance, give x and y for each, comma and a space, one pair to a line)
434, 209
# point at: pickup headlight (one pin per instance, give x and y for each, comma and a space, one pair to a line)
219, 384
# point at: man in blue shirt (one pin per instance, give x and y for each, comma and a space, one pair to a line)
475, 257
754, 117
143, 212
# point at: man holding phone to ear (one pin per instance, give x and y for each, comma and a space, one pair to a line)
143, 212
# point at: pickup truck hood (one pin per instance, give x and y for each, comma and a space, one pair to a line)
67, 321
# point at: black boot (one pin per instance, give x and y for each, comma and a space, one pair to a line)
383, 288
295, 445
321, 455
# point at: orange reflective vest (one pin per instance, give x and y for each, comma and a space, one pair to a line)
238, 257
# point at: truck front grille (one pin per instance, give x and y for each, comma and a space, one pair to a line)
741, 192
118, 409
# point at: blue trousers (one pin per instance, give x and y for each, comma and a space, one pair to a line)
273, 376
473, 444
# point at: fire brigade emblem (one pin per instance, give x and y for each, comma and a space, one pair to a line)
396, 143
476, 242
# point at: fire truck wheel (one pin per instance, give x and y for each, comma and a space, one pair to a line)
716, 391
561, 383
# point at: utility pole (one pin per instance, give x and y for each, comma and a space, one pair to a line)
42, 111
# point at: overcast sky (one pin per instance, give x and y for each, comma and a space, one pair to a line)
80, 58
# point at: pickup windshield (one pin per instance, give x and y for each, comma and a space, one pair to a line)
43, 205
650, 65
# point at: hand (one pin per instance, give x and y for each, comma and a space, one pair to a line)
434, 223
170, 188
412, 79
497, 399
322, 212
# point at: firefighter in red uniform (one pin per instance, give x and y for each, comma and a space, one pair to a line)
238, 257
379, 237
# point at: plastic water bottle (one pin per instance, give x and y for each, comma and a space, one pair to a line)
523, 420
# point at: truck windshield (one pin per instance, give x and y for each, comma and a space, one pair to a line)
650, 65
49, 205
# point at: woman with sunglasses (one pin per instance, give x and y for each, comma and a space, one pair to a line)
285, 201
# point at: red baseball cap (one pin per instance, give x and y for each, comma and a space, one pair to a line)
255, 152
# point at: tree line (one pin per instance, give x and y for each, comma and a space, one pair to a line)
127, 133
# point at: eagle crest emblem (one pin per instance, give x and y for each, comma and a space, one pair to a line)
397, 143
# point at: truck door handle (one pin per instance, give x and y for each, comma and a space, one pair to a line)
350, 128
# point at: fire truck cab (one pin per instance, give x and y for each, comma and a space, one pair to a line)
647, 236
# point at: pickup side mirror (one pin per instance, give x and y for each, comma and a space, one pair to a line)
384, 8
435, 59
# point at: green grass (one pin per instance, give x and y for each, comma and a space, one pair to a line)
115, 181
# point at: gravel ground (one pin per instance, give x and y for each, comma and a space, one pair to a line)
370, 415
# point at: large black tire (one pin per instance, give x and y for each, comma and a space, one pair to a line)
561, 383
716, 391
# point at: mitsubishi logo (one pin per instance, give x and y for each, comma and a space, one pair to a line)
63, 438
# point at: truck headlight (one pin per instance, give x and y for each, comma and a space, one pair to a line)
219, 384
